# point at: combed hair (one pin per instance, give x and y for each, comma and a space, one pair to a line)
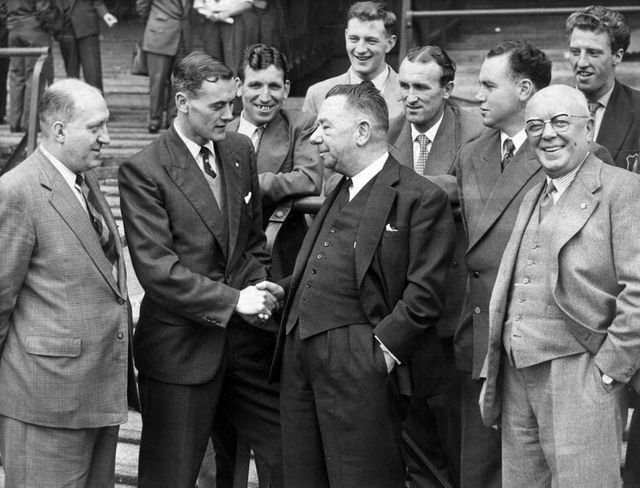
526, 61
426, 54
191, 71
367, 99
368, 11
55, 104
597, 18
261, 56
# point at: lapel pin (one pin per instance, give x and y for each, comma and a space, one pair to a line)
237, 165
583, 205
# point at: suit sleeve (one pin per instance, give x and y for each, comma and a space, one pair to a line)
100, 8
619, 355
164, 278
431, 244
17, 240
305, 177
257, 241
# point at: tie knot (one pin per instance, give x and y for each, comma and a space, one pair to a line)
204, 152
509, 148
79, 180
593, 107
422, 139
550, 188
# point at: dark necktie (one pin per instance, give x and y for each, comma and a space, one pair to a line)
546, 204
204, 153
343, 196
421, 163
106, 238
509, 149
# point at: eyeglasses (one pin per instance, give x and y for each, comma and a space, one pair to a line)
559, 123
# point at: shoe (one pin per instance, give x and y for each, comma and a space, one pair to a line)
154, 127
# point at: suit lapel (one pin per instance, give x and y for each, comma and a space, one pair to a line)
69, 208
615, 122
375, 218
274, 146
403, 145
509, 184
443, 148
186, 175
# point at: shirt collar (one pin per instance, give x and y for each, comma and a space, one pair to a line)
378, 81
359, 180
194, 149
431, 133
517, 139
604, 99
68, 175
562, 183
245, 126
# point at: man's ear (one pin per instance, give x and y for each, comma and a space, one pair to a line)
591, 124
58, 131
182, 102
448, 89
363, 132
617, 56
391, 41
287, 87
238, 87
526, 89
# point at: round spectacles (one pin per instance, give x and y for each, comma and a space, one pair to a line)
559, 123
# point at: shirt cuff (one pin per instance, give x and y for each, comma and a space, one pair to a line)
384, 348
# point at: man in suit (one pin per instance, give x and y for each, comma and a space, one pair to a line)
367, 285
167, 38
192, 215
427, 139
563, 334
598, 40
494, 173
64, 314
288, 164
80, 37
369, 37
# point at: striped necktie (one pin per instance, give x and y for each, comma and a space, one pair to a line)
509, 149
546, 204
106, 238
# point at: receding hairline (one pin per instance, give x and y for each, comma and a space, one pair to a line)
562, 93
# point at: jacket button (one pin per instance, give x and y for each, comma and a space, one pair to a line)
120, 336
477, 310
475, 274
121, 301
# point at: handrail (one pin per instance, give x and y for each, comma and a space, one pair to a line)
36, 87
407, 16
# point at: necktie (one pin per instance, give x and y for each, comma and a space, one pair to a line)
204, 153
343, 196
546, 204
256, 136
593, 108
106, 238
421, 163
508, 150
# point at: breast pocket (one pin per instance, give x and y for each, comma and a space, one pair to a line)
54, 346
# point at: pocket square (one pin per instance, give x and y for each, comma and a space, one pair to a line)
247, 198
388, 228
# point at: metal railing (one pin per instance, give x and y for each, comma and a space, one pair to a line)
407, 16
30, 139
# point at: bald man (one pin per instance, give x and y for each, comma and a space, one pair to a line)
563, 335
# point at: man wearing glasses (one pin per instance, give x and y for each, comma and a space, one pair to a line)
563, 334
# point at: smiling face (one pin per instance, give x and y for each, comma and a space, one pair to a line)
559, 152
262, 93
367, 44
593, 62
84, 134
499, 95
205, 116
335, 134
422, 96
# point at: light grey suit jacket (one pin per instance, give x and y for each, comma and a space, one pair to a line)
594, 274
316, 93
64, 319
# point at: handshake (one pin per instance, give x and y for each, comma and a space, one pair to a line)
257, 302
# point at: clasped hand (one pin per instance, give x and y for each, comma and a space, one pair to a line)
257, 302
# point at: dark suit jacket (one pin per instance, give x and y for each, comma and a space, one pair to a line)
64, 317
620, 128
167, 25
189, 260
289, 166
594, 274
400, 272
85, 16
458, 127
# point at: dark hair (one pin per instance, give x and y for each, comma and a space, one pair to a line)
526, 61
189, 73
365, 98
597, 18
438, 55
261, 56
368, 11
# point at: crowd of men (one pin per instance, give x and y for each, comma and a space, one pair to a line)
470, 280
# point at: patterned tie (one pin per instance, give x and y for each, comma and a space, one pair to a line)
546, 204
508, 150
421, 163
106, 238
204, 154
593, 108
256, 136
214, 182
